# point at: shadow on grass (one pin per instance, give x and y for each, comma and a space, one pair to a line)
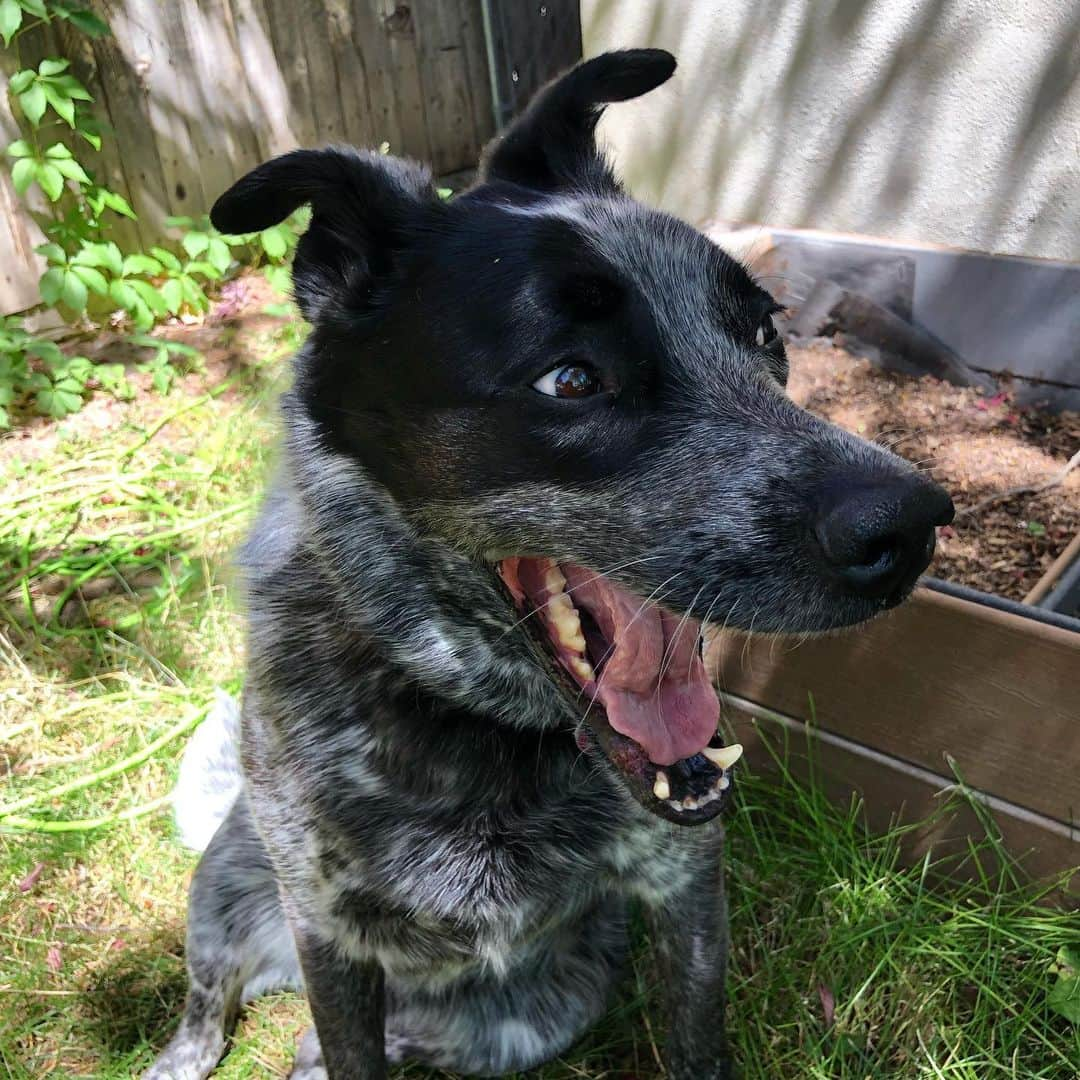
136, 999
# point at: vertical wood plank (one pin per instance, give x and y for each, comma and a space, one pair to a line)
443, 77
478, 81
534, 42
396, 27
265, 90
357, 112
149, 41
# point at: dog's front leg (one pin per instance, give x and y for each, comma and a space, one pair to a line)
690, 941
348, 1006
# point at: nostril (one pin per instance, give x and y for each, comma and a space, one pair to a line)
880, 552
877, 539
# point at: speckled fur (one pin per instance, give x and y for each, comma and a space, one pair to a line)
420, 840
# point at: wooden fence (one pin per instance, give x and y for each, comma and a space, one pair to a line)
198, 91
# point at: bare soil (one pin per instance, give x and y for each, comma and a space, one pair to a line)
976, 446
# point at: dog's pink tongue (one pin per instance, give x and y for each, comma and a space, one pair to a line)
653, 686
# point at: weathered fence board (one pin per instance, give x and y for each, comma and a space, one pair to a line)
193, 93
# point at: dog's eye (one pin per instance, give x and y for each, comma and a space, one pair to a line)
766, 332
569, 381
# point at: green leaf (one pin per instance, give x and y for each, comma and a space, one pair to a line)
58, 402
112, 377
118, 204
5, 420
173, 295
141, 264
218, 255
23, 174
92, 137
92, 279
51, 285
204, 269
280, 279
273, 243
35, 7
166, 258
162, 379
73, 292
53, 65
107, 255
142, 316
193, 295
61, 103
33, 102
1064, 995
20, 148
123, 294
70, 87
195, 243
46, 350
78, 368
150, 296
54, 253
50, 180
70, 168
10, 19
18, 82
84, 20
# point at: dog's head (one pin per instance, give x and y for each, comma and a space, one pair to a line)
587, 395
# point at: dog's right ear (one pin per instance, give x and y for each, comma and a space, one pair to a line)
552, 145
362, 206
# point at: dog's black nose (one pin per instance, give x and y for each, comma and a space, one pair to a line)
879, 537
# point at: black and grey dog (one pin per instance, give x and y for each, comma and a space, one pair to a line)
537, 438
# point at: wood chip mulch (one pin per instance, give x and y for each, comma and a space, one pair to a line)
975, 446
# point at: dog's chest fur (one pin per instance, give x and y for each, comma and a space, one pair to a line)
435, 883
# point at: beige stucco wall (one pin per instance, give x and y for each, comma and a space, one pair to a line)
948, 121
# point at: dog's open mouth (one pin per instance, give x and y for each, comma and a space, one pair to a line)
647, 699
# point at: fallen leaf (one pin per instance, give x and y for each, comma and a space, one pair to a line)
828, 1004
52, 959
31, 879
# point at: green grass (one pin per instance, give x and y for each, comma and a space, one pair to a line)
846, 964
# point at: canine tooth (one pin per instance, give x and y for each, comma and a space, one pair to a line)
661, 788
724, 784
723, 757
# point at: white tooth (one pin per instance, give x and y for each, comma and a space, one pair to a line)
661, 788
564, 619
582, 669
723, 784
723, 757
554, 581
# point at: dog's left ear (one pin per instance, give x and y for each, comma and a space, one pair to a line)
552, 145
362, 207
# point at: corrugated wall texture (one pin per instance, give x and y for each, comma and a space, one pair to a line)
198, 91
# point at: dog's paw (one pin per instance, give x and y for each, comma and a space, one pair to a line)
309, 1060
